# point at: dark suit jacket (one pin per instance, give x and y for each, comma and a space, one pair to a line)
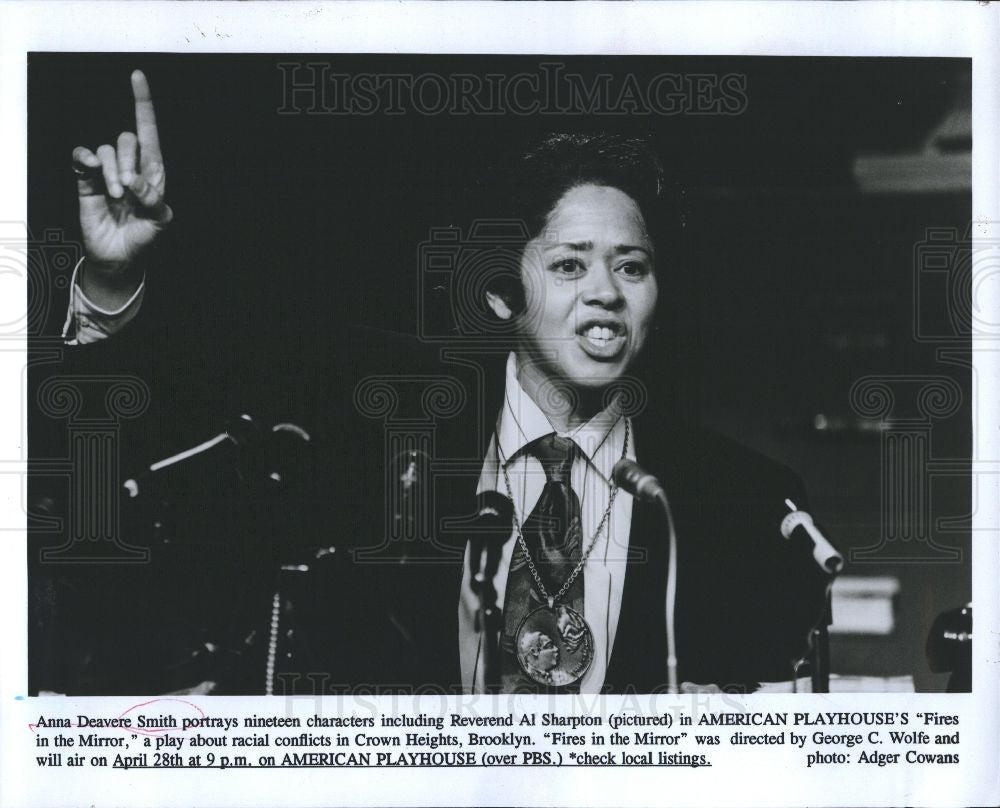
746, 598
381, 615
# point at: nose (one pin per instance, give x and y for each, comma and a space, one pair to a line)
601, 288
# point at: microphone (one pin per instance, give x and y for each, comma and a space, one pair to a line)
800, 525
635, 480
494, 512
949, 647
488, 531
283, 454
241, 437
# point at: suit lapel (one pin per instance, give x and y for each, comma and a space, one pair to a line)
484, 378
638, 657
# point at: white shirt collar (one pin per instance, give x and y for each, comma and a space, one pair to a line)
521, 421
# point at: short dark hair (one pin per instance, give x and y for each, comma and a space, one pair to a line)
527, 187
549, 168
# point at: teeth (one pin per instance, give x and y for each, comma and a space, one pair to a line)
599, 335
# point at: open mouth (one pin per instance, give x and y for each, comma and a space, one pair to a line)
602, 339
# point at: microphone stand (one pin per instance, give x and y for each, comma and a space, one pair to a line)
631, 478
671, 594
799, 523
484, 557
817, 658
819, 647
488, 531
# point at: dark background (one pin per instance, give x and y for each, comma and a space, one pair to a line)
793, 280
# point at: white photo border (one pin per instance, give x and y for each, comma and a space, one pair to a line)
641, 28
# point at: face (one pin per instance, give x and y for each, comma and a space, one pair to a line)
548, 654
590, 289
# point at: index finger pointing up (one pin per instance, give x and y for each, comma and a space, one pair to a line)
145, 120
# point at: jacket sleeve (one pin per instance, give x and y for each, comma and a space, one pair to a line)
86, 322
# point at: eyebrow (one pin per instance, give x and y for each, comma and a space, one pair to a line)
621, 249
586, 246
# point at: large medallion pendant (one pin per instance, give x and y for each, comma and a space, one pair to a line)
554, 645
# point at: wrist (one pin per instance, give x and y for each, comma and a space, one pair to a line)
109, 284
110, 273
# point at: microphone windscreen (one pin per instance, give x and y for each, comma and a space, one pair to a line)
626, 475
494, 505
632, 478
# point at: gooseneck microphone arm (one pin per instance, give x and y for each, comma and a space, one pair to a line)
796, 526
799, 526
488, 531
633, 479
273, 452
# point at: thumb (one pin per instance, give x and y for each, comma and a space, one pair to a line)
87, 168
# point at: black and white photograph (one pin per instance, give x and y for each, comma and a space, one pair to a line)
419, 366
399, 377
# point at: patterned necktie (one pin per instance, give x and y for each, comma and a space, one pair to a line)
552, 534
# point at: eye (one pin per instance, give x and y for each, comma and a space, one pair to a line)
567, 266
633, 269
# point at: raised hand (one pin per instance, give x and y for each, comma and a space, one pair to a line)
122, 207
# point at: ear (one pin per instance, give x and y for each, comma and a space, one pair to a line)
500, 305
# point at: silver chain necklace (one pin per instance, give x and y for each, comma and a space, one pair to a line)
552, 599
